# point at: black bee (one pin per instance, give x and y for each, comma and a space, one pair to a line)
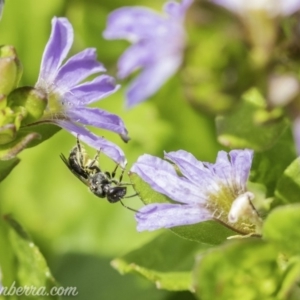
101, 184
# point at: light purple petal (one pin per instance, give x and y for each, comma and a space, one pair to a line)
99, 143
136, 57
290, 6
162, 179
241, 161
187, 163
57, 48
275, 8
134, 24
177, 10
194, 170
156, 216
92, 91
235, 6
78, 68
151, 79
296, 133
155, 162
98, 118
222, 167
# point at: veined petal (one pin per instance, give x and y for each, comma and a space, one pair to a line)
77, 68
56, 50
151, 79
91, 91
194, 170
161, 215
98, 118
188, 164
222, 168
241, 161
169, 183
134, 24
155, 162
177, 10
99, 143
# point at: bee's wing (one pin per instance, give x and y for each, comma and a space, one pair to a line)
81, 178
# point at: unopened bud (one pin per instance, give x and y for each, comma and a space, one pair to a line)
32, 100
7, 133
10, 69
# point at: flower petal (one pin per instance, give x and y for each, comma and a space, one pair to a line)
77, 68
98, 118
194, 170
163, 178
91, 91
56, 50
136, 57
177, 10
99, 143
222, 168
273, 8
241, 161
151, 79
290, 6
134, 24
235, 6
156, 216
296, 133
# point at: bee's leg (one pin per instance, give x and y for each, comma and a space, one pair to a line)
78, 143
136, 194
128, 207
113, 173
79, 151
121, 175
95, 159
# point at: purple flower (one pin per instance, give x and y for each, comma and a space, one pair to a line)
158, 44
67, 97
272, 7
203, 192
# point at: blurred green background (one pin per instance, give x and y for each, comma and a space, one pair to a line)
78, 233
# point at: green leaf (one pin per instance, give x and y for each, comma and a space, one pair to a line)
288, 289
7, 166
282, 228
268, 166
166, 261
43, 130
288, 187
209, 232
30, 267
12, 149
239, 129
7, 258
242, 269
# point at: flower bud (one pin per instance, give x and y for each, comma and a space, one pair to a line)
7, 133
10, 69
31, 100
